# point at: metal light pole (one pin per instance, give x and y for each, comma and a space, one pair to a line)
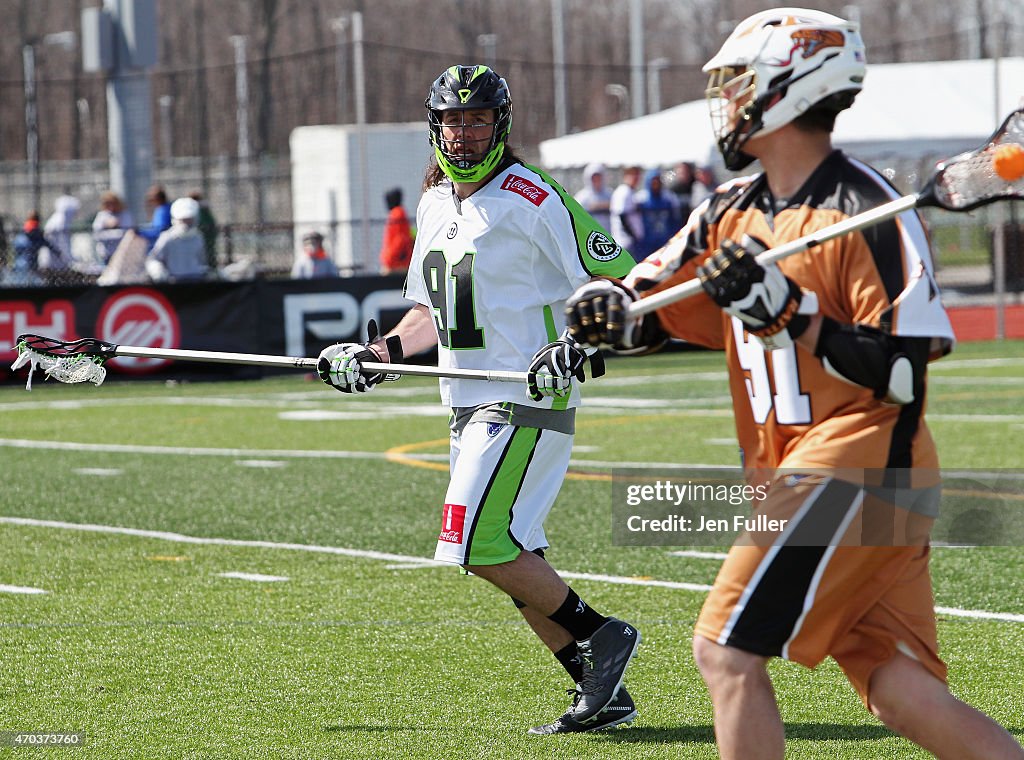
359, 72
636, 56
66, 41
654, 83
166, 103
241, 97
28, 59
340, 28
489, 45
558, 56
621, 94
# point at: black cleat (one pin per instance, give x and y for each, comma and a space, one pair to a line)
620, 710
605, 656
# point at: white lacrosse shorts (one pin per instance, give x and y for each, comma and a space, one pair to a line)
504, 480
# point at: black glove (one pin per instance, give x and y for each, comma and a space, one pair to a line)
553, 368
597, 314
760, 296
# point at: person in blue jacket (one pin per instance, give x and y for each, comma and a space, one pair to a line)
661, 214
156, 199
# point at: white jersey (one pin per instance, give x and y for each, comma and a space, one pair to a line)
496, 270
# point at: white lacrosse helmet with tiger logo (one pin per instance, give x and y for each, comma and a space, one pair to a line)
777, 65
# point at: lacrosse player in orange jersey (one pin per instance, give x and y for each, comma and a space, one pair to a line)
827, 354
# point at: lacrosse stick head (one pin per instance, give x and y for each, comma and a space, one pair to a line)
982, 175
79, 361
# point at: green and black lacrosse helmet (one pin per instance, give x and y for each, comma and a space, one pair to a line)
468, 88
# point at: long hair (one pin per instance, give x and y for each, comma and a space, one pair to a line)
435, 176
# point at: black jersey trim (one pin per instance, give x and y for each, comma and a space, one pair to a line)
776, 604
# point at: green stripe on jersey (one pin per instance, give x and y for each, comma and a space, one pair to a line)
599, 253
549, 324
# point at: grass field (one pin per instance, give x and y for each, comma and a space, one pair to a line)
134, 505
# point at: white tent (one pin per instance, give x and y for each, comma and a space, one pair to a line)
912, 110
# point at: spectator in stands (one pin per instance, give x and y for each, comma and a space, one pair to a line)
704, 185
595, 197
58, 231
158, 205
313, 262
627, 227
682, 187
110, 224
207, 228
396, 248
27, 245
179, 253
4, 250
660, 212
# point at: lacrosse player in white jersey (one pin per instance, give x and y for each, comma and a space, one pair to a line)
499, 248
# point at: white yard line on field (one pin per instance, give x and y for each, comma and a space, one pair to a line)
255, 577
5, 589
694, 554
405, 559
973, 363
119, 448
248, 455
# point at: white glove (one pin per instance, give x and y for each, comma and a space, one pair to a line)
340, 367
768, 303
553, 368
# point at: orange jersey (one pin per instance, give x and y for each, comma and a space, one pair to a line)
790, 412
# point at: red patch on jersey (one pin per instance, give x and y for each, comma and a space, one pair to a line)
453, 522
525, 188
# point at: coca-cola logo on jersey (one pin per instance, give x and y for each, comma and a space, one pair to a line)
139, 317
525, 188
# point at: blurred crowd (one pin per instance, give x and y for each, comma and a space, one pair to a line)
178, 241
647, 207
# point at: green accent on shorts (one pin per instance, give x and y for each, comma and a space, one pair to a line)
492, 541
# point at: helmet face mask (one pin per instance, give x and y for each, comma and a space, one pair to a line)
775, 66
469, 114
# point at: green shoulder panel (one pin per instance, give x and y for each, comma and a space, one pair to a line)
598, 252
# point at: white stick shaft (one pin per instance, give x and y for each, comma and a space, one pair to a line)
299, 362
857, 222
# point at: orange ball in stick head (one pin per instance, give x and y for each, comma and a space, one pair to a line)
1008, 162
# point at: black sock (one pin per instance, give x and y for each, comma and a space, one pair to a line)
577, 618
569, 656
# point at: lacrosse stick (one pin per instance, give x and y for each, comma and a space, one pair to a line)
993, 172
82, 361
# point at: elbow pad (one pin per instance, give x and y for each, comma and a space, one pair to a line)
892, 368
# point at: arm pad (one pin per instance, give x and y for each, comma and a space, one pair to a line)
892, 367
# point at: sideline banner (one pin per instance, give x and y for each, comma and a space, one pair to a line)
288, 317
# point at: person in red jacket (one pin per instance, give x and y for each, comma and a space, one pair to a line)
396, 249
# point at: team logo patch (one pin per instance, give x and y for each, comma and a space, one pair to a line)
453, 523
516, 184
493, 428
601, 247
813, 41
